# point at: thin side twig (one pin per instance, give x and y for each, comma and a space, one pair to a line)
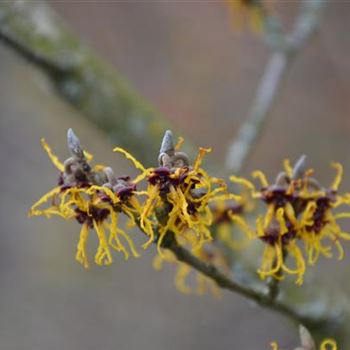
283, 52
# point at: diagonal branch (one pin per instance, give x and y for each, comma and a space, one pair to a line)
34, 31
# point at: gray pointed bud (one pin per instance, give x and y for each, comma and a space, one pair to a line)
74, 144
181, 159
282, 179
167, 144
306, 339
164, 160
110, 175
299, 168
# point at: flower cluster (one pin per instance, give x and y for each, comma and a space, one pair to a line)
177, 198
94, 197
178, 195
180, 200
297, 210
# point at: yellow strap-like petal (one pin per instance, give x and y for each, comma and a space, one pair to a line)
281, 221
240, 180
224, 197
130, 242
261, 176
110, 194
289, 210
243, 225
344, 235
81, 255
200, 156
341, 216
179, 143
152, 200
54, 159
299, 270
288, 168
182, 200
340, 250
306, 218
127, 155
157, 262
338, 177
180, 278
89, 157
103, 255
272, 256
113, 239
34, 211
269, 214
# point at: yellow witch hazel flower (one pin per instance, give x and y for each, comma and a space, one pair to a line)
308, 343
319, 228
277, 228
298, 209
94, 197
178, 195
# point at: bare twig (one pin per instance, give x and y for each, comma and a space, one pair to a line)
284, 50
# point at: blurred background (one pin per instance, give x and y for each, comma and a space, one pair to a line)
187, 60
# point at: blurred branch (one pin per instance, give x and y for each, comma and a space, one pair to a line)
284, 50
34, 31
